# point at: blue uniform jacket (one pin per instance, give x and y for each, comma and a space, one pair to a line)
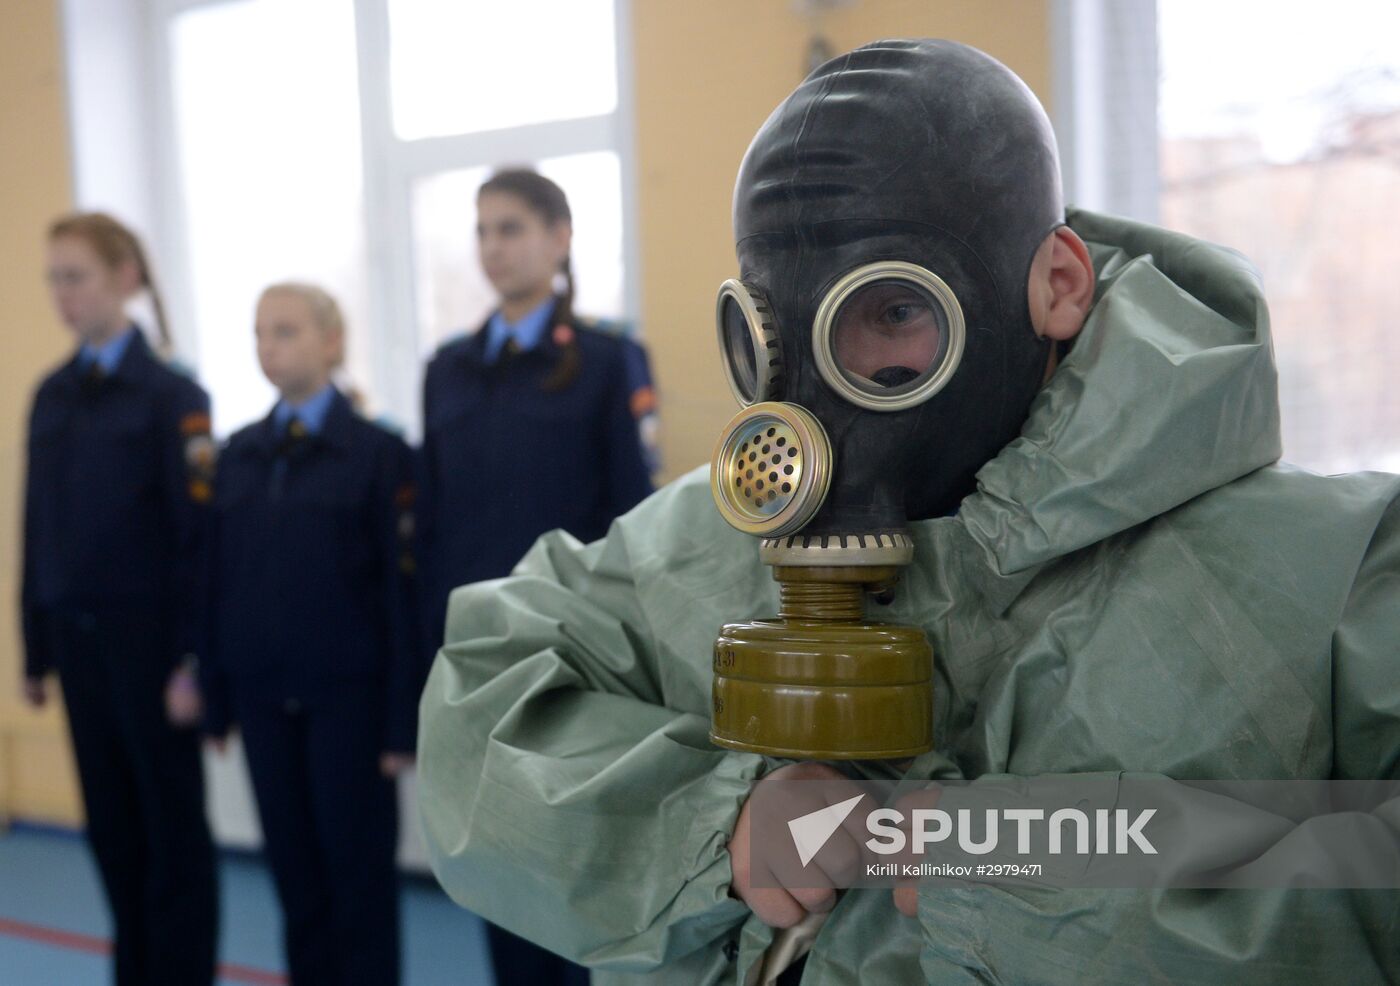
313, 567
505, 459
116, 502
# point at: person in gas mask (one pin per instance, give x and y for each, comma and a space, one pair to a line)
1061, 430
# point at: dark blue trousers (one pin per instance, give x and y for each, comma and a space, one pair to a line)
518, 962
330, 826
143, 789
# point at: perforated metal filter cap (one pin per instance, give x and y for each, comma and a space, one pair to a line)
771, 469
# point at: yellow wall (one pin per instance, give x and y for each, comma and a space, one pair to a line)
36, 773
707, 75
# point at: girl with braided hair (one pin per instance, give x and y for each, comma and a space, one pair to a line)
530, 424
115, 539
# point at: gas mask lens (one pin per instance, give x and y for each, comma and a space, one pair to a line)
748, 340
888, 336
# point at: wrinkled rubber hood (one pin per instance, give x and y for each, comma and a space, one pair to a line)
922, 151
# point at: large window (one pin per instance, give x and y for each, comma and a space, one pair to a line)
342, 141
555, 60
1280, 137
270, 177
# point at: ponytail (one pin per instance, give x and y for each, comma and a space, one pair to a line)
564, 310
164, 343
567, 369
549, 202
116, 244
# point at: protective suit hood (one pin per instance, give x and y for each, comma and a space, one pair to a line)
1169, 391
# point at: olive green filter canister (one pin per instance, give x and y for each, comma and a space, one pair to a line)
818, 682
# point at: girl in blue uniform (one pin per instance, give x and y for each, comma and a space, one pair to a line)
115, 539
313, 646
530, 424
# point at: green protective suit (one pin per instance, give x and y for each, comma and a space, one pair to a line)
1134, 586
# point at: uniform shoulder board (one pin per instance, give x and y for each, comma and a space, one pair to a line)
611, 326
391, 425
461, 335
181, 367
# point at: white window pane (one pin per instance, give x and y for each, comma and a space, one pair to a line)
463, 66
453, 293
268, 142
1287, 155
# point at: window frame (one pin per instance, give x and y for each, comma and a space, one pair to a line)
1104, 82
390, 167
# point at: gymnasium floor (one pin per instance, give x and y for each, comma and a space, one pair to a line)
54, 928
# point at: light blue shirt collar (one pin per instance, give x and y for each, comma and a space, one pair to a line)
108, 354
526, 332
311, 412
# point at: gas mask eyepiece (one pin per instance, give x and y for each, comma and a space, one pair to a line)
888, 336
749, 343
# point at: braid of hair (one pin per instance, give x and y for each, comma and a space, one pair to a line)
567, 369
549, 202
116, 244
564, 311
165, 344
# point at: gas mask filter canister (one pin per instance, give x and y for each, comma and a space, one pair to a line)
818, 681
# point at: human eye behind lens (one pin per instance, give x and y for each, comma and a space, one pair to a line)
892, 309
904, 313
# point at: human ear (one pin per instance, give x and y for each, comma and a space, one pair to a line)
1061, 285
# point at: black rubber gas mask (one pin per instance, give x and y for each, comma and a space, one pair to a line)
878, 336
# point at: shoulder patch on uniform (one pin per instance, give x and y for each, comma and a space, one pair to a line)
195, 423
642, 401
200, 453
